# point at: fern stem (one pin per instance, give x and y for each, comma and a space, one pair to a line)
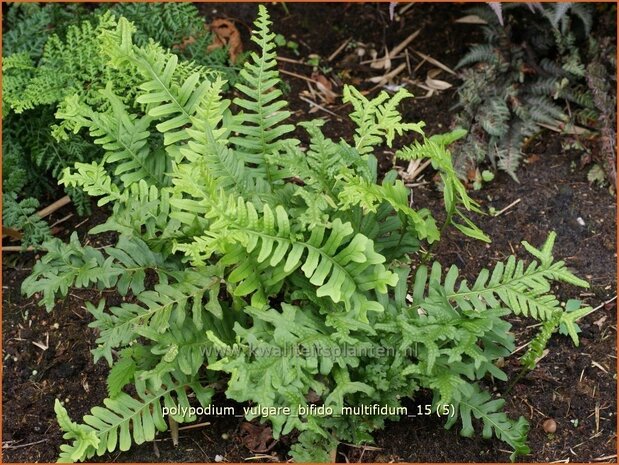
428, 254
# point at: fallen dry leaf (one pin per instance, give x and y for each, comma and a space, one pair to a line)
532, 159
436, 84
325, 88
225, 34
470, 19
257, 438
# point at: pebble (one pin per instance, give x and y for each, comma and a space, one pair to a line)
550, 426
219, 458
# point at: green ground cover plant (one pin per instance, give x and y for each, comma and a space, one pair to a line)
53, 51
251, 261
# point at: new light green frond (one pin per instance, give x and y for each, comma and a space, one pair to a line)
454, 192
358, 191
83, 436
208, 149
169, 93
378, 120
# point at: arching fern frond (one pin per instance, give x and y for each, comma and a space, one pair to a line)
68, 265
126, 420
122, 135
523, 290
155, 309
481, 406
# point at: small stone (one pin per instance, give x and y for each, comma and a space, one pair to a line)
219, 458
550, 426
225, 436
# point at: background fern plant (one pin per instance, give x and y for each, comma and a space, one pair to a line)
54, 51
255, 244
523, 75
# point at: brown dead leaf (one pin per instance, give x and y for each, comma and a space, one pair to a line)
183, 45
325, 88
532, 159
599, 323
225, 34
257, 438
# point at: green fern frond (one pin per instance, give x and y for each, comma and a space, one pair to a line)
378, 119
358, 191
341, 265
22, 216
73, 265
484, 53
156, 308
126, 420
523, 290
259, 124
481, 406
122, 135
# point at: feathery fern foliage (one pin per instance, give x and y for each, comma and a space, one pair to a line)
56, 52
258, 262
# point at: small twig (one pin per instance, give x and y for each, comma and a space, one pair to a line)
198, 425
435, 62
605, 458
339, 49
298, 76
173, 430
514, 203
62, 220
19, 248
57, 205
380, 80
320, 107
290, 60
402, 45
417, 170
8, 446
362, 446
156, 449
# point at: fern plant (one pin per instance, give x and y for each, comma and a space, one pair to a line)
522, 76
65, 58
274, 268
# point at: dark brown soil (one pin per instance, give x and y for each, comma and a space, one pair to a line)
46, 356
